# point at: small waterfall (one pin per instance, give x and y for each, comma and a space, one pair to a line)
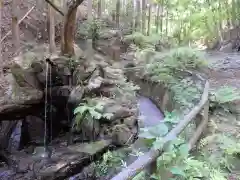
45, 107
50, 109
45, 151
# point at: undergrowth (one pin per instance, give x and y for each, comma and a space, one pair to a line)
173, 68
170, 68
176, 162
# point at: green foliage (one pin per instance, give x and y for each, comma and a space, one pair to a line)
223, 96
176, 160
110, 160
94, 29
91, 108
168, 68
141, 41
221, 150
90, 29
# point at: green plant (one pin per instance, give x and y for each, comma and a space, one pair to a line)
91, 108
110, 160
169, 67
175, 158
221, 149
224, 95
94, 29
141, 41
177, 161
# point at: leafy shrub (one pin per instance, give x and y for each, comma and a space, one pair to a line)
90, 108
220, 149
168, 68
223, 96
141, 41
110, 160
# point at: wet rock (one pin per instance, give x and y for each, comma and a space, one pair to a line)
90, 129
91, 148
95, 83
79, 75
14, 141
25, 78
130, 121
5, 132
68, 161
96, 79
6, 174
76, 95
35, 129
118, 111
122, 135
108, 90
26, 96
227, 48
60, 95
88, 173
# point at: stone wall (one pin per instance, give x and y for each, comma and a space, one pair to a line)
157, 92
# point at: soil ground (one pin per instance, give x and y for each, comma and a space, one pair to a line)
225, 72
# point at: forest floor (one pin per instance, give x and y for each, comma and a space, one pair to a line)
225, 72
28, 27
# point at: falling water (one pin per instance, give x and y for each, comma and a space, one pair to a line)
45, 152
45, 110
50, 93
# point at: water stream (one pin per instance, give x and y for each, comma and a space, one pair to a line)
149, 115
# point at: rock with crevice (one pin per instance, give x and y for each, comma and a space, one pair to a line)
122, 135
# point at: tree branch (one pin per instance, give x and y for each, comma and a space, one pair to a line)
55, 7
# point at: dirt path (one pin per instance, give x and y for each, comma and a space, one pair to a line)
226, 69
225, 72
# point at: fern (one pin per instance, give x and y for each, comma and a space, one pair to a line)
110, 160
141, 41
167, 68
225, 94
92, 108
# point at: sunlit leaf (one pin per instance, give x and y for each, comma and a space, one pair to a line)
177, 171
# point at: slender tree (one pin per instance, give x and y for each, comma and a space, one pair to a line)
138, 13
149, 19
118, 7
1, 60
143, 16
51, 29
15, 27
99, 8
157, 18
69, 28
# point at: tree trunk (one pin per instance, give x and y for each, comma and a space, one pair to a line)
51, 29
64, 7
89, 7
158, 19
149, 19
1, 60
118, 13
137, 18
15, 27
69, 28
144, 16
99, 8
166, 30
90, 20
